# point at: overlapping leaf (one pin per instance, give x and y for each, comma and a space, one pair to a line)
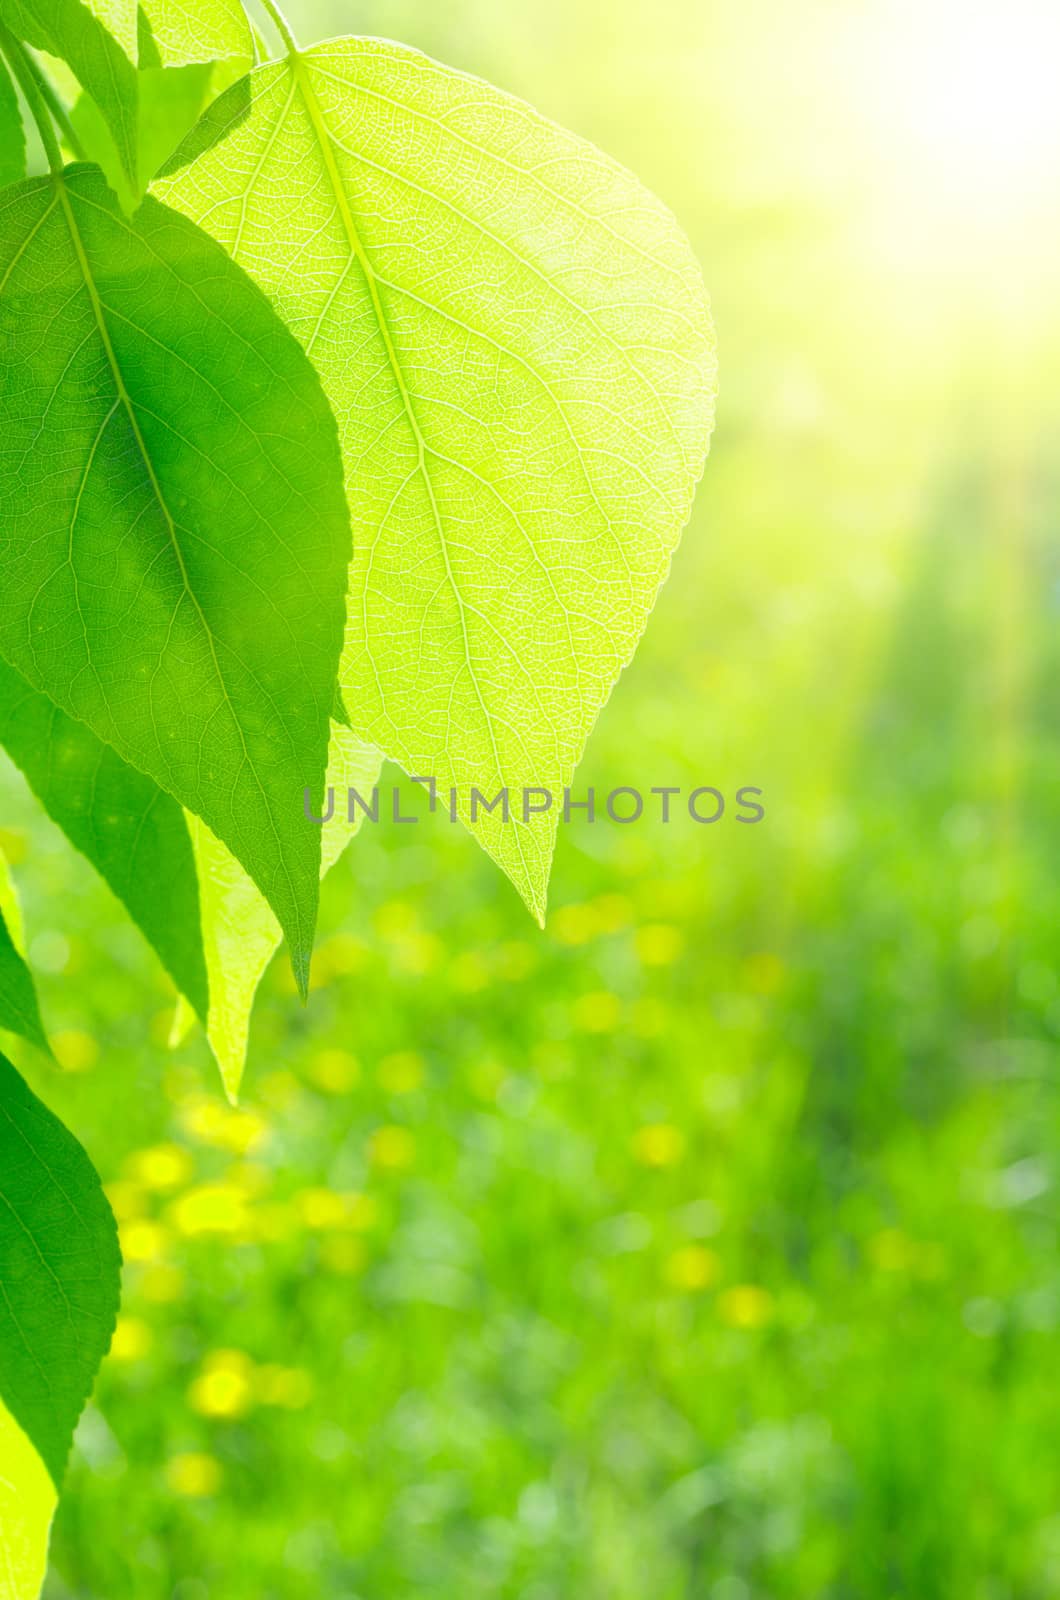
132, 832
173, 531
12, 136
240, 934
59, 1270
74, 32
19, 1011
184, 32
514, 337
28, 1499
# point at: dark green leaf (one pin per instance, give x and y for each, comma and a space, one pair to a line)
59, 1272
19, 1012
173, 529
132, 832
70, 30
12, 135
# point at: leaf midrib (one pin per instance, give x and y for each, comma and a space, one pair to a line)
323, 138
126, 400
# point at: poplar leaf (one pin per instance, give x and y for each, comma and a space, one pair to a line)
104, 69
12, 133
185, 32
132, 832
173, 532
28, 1499
240, 933
59, 1269
19, 1011
514, 337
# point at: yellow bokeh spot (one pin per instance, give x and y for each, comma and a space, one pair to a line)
320, 1208
598, 1012
288, 1387
132, 1339
764, 972
194, 1475
392, 1147
469, 972
340, 955
163, 1283
891, 1251
745, 1305
219, 1208
334, 1071
648, 1018
142, 1240
692, 1267
163, 1166
127, 1199
211, 1122
225, 1387
396, 919
574, 925
659, 943
658, 1144
343, 1255
401, 1073
75, 1051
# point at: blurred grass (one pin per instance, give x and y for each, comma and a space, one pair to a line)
705, 1246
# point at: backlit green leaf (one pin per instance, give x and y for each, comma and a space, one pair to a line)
133, 833
27, 1504
240, 933
173, 531
59, 1272
186, 31
515, 340
19, 1012
12, 135
72, 31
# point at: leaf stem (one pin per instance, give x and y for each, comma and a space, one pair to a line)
283, 27
56, 107
19, 62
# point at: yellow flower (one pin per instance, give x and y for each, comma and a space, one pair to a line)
162, 1284
193, 1475
143, 1240
659, 943
334, 1071
745, 1305
289, 1387
658, 1144
75, 1051
224, 1387
598, 1012
211, 1208
402, 1072
163, 1166
132, 1339
393, 1147
692, 1267
216, 1124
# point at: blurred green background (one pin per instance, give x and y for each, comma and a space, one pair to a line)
703, 1247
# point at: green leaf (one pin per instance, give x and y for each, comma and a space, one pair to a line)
173, 532
12, 133
119, 17
60, 1270
240, 933
19, 1012
27, 1505
132, 832
70, 30
515, 340
184, 32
